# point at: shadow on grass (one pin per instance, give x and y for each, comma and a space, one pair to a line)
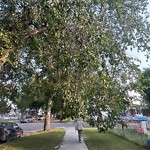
108, 141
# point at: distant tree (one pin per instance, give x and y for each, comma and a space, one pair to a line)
4, 107
144, 85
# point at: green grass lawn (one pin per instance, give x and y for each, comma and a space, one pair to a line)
39, 141
9, 120
107, 141
131, 135
51, 141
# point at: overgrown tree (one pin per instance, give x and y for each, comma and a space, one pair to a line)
74, 44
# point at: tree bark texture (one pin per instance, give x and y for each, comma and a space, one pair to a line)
47, 115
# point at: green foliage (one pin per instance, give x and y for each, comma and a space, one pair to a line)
144, 84
4, 107
73, 54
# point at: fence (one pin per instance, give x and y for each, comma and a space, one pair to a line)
133, 133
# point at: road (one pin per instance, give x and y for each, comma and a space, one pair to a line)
32, 127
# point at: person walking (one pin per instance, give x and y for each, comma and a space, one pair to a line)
79, 128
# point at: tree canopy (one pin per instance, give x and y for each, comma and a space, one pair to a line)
73, 53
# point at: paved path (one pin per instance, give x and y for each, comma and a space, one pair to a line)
70, 141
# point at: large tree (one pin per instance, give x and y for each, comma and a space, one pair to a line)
75, 47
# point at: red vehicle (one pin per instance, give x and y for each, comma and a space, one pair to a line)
9, 131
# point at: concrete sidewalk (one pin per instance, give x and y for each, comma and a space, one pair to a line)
70, 141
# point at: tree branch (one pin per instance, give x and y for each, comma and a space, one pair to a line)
4, 57
35, 31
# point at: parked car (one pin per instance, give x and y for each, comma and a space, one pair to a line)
26, 119
9, 131
40, 117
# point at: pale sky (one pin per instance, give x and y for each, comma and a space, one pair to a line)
143, 64
140, 55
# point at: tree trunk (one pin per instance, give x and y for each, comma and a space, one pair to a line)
47, 115
22, 113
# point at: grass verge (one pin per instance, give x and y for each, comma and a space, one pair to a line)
131, 135
49, 140
107, 141
9, 120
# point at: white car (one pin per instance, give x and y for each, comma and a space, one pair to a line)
26, 119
